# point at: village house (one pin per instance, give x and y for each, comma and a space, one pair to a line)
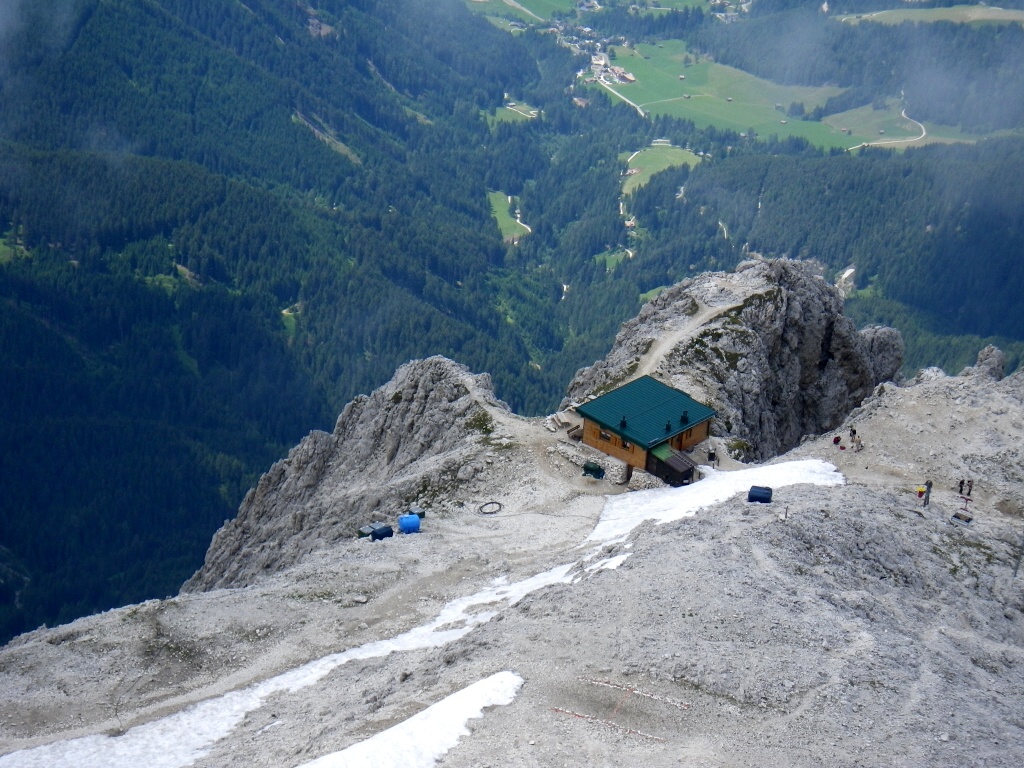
622, 75
648, 425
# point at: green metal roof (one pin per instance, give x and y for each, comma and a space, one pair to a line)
646, 406
663, 451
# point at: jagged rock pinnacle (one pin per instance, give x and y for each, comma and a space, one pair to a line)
385, 449
767, 346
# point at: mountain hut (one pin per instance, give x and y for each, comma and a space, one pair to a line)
648, 425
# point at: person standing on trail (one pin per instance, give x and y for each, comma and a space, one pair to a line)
853, 433
927, 492
961, 487
970, 487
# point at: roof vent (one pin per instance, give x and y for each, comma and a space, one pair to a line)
622, 424
668, 426
685, 418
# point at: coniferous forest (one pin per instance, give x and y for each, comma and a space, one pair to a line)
220, 222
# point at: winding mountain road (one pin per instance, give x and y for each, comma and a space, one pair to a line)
889, 142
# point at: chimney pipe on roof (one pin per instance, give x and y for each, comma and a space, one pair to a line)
622, 424
685, 418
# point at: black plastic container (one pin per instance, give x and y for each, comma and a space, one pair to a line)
760, 494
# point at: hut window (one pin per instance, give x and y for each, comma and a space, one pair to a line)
606, 435
627, 445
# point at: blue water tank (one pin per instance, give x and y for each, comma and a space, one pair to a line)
409, 523
760, 493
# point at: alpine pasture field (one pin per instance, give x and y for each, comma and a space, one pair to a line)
725, 97
519, 113
675, 5
612, 259
492, 7
500, 208
959, 14
545, 9
498, 11
875, 124
652, 160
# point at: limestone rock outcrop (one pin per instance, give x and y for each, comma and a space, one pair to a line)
885, 350
991, 364
767, 346
387, 450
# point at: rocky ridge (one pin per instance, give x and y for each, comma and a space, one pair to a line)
767, 346
388, 450
841, 626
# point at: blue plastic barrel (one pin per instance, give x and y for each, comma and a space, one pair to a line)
409, 523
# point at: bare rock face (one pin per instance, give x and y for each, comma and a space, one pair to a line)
991, 364
767, 346
387, 450
885, 349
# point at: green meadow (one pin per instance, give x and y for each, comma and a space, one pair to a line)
7, 253
874, 125
527, 10
496, 10
960, 14
517, 111
715, 95
652, 160
546, 8
506, 223
290, 321
671, 5
534, 10
612, 259
724, 97
9, 247
508, 113
947, 134
888, 125
503, 23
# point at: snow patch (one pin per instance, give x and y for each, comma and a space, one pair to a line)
609, 564
424, 738
180, 739
625, 512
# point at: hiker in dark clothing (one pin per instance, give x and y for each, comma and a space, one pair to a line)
961, 487
970, 487
927, 492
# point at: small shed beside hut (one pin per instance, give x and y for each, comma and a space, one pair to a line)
648, 425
